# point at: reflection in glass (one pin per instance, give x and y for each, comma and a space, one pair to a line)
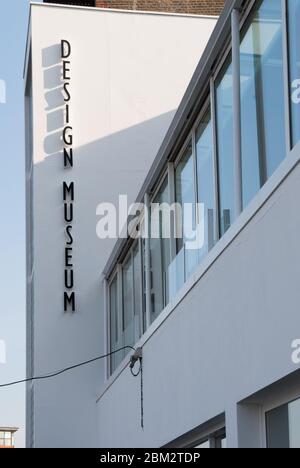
283, 426
132, 297
294, 55
205, 180
262, 97
128, 305
224, 443
225, 148
294, 424
115, 338
160, 258
185, 196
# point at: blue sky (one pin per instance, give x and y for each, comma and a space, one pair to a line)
13, 28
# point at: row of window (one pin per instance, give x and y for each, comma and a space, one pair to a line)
204, 172
6, 439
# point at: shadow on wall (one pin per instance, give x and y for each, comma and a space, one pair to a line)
54, 98
103, 169
116, 164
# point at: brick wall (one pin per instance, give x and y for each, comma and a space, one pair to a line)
199, 7
204, 7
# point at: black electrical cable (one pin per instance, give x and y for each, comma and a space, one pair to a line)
139, 371
136, 374
55, 374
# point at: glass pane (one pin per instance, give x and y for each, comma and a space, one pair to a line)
283, 426
138, 292
185, 196
278, 428
224, 443
115, 339
225, 148
205, 177
203, 445
128, 305
262, 92
294, 53
294, 424
144, 283
160, 255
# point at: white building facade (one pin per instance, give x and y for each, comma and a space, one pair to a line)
98, 106
219, 326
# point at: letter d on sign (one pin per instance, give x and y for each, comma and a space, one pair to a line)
65, 49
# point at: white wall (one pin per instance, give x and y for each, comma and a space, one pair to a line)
228, 338
128, 74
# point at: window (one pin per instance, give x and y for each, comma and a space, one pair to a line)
138, 292
283, 426
203, 445
294, 72
160, 254
128, 303
115, 335
195, 193
126, 292
225, 148
205, 180
186, 197
6, 439
202, 178
214, 441
262, 97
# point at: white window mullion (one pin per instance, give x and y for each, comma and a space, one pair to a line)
172, 199
120, 306
236, 107
286, 79
215, 160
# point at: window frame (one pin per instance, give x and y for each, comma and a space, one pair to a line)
191, 137
118, 275
165, 177
6, 437
213, 437
287, 77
